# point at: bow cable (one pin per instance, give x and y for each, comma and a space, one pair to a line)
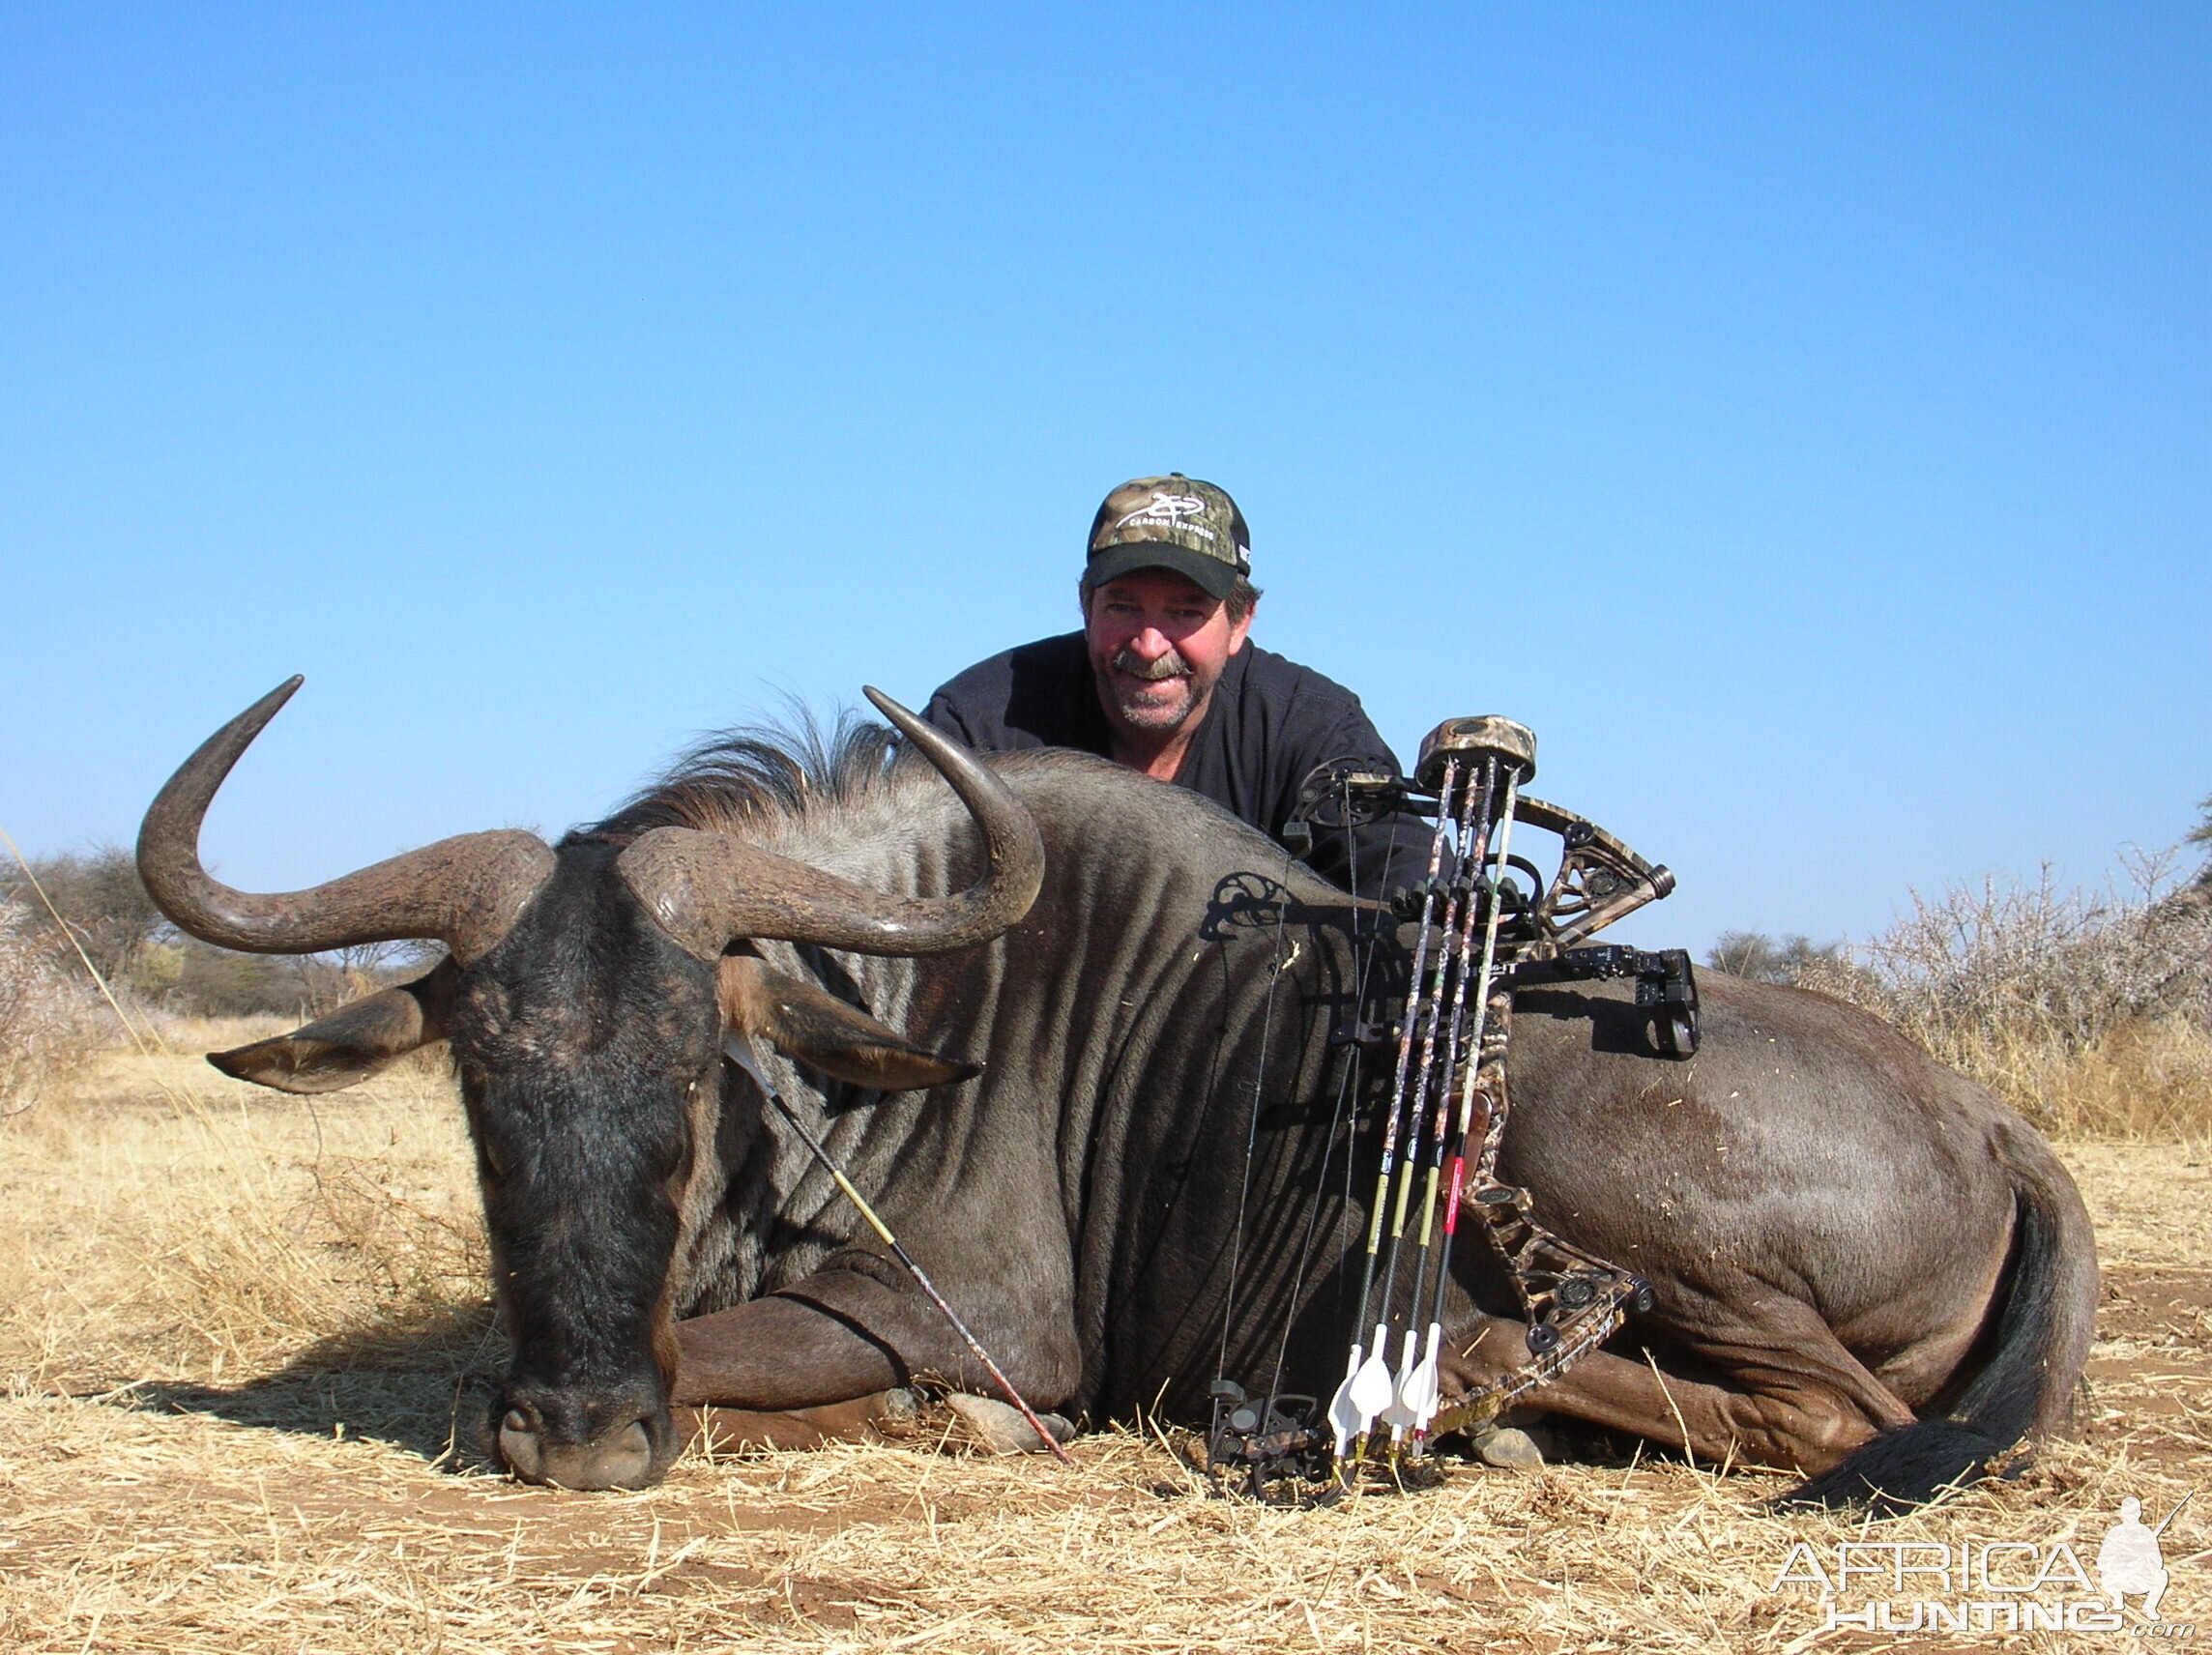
1360, 974
1347, 1085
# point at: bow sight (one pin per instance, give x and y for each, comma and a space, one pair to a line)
1488, 920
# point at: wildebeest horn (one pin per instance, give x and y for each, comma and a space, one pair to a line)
708, 889
466, 892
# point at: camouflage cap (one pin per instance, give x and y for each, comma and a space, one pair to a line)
1172, 522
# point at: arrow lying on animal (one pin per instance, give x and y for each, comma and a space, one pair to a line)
739, 1050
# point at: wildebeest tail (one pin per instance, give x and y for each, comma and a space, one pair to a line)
2025, 1387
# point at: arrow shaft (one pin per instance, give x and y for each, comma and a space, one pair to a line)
742, 1053
1406, 1042
1484, 976
1412, 1099
1461, 927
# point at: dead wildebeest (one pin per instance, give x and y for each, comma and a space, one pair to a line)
1041, 1013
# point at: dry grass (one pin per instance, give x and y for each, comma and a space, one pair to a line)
2148, 1081
245, 1344
49, 1020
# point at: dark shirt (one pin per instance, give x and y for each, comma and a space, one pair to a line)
1270, 722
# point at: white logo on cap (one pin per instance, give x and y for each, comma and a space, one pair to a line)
1170, 509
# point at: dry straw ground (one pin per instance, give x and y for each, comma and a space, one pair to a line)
245, 1339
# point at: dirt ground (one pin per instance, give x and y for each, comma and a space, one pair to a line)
245, 1342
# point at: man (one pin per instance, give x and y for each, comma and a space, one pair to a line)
1163, 678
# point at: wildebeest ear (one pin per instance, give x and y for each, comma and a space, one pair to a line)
353, 1042
824, 1033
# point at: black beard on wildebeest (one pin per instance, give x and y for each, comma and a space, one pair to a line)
1040, 1022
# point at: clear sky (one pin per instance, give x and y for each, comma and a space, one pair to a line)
1798, 414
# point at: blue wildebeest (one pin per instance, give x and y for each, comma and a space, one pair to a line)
1042, 1011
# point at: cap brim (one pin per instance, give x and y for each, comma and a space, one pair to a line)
1210, 575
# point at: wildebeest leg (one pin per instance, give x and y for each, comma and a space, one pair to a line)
1804, 1401
727, 1429
781, 1353
837, 1335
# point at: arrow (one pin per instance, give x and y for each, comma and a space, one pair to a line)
1485, 976
1466, 906
739, 1050
1343, 1409
1375, 1381
1418, 1391
1400, 1413
1355, 1406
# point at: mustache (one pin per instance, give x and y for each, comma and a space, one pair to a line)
1170, 665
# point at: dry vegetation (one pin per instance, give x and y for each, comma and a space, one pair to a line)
2090, 1011
49, 1027
246, 1345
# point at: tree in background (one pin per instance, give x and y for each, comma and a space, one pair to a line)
99, 896
48, 1018
2202, 834
1762, 958
108, 913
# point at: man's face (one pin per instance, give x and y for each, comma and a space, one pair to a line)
1157, 646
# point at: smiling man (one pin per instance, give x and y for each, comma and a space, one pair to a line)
1164, 678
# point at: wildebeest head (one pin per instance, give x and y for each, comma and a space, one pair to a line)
586, 993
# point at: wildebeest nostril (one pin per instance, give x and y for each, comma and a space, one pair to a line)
621, 1459
521, 1445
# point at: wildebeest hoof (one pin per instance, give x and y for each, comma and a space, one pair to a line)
1001, 1428
1509, 1450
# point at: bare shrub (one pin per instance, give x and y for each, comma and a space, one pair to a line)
1762, 958
49, 1018
100, 899
2089, 1010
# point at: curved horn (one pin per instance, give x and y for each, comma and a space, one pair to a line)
467, 892
708, 889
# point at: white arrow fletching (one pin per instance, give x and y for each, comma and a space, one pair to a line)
1371, 1388
1343, 1412
1418, 1391
1400, 1414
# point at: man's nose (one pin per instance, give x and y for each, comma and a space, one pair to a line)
1150, 644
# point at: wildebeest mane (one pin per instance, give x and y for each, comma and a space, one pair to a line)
741, 781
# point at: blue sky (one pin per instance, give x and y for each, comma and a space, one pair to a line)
1798, 414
